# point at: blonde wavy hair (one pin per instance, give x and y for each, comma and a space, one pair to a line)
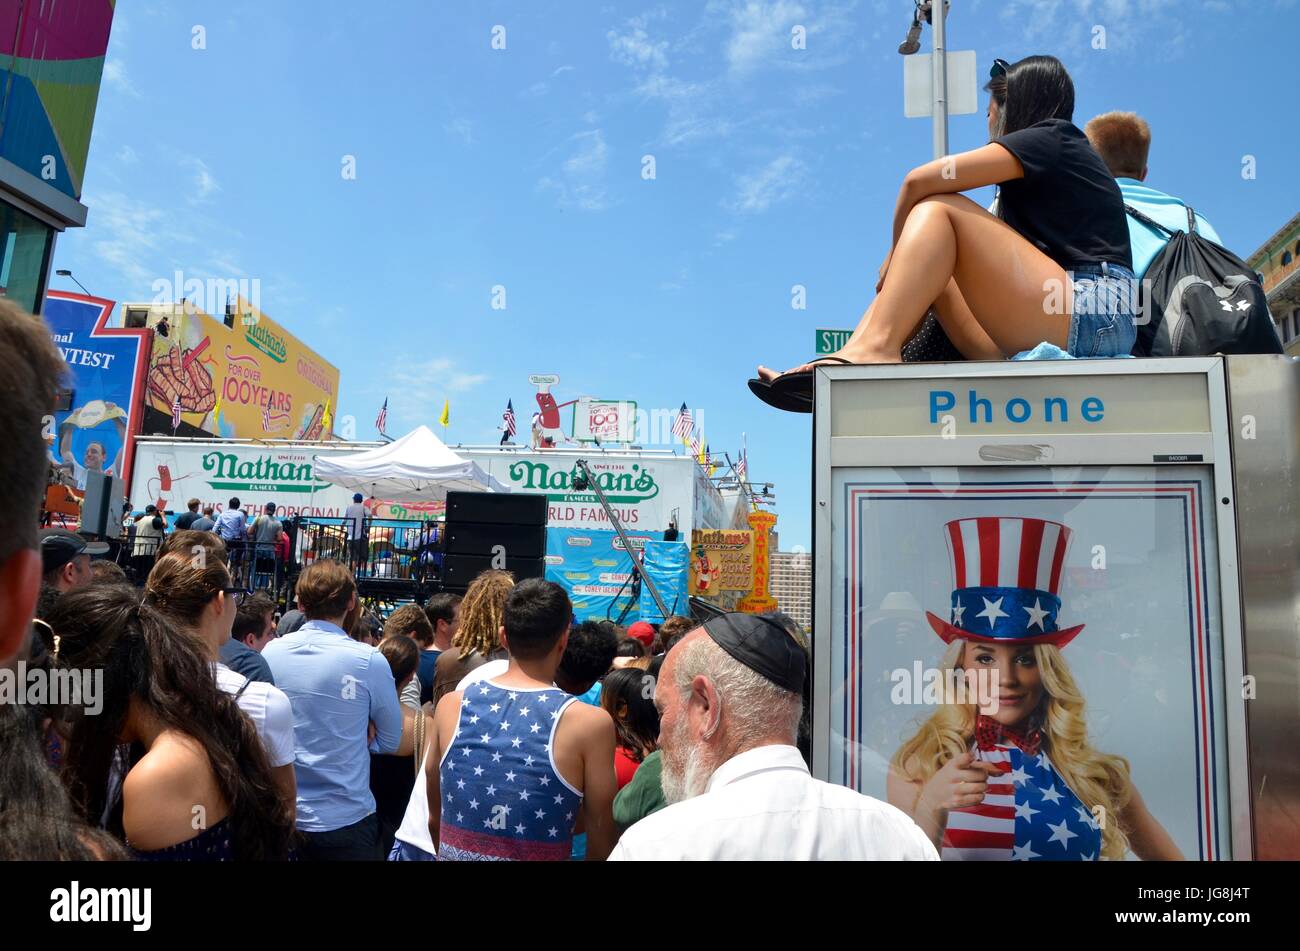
481, 613
1098, 779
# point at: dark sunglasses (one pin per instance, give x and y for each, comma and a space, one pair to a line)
999, 69
236, 595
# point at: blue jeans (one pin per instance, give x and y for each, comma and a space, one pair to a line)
1104, 318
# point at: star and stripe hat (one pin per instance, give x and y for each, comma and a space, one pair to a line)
1006, 581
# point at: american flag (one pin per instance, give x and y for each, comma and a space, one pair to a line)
266, 417
683, 424
1028, 814
381, 421
741, 466
696, 448
508, 418
176, 413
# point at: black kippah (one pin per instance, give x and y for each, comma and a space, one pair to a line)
762, 645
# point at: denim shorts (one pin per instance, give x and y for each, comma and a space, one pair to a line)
1104, 321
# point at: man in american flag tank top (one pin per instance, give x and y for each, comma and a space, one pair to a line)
516, 758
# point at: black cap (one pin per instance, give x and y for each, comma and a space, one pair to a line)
762, 645
59, 546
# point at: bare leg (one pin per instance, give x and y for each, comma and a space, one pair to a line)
1005, 282
962, 328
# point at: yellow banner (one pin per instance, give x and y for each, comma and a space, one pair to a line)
268, 384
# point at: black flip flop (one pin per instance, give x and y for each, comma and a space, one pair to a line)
800, 385
789, 403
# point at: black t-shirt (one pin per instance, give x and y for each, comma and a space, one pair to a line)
1067, 204
186, 519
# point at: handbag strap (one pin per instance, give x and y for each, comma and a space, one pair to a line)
419, 742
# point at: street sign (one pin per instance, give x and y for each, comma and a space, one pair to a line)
918, 84
829, 341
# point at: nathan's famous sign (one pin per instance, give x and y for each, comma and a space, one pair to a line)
252, 380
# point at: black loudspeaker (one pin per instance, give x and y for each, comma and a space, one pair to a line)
458, 571
101, 508
496, 508
483, 538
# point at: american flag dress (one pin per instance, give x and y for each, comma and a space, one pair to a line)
502, 797
1028, 814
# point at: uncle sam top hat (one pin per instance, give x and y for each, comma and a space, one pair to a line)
1006, 578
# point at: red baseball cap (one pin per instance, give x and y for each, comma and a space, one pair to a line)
643, 632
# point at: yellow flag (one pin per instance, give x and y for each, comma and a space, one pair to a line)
216, 412
325, 417
445, 418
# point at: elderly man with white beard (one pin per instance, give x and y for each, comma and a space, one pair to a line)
729, 699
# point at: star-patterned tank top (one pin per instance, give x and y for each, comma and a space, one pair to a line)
502, 797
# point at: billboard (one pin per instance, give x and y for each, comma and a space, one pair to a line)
603, 420
51, 63
170, 472
595, 570
721, 560
252, 380
643, 490
106, 367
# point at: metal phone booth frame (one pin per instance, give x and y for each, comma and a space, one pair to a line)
1166, 421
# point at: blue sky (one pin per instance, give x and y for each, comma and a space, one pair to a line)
522, 168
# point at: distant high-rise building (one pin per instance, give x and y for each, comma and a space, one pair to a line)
791, 584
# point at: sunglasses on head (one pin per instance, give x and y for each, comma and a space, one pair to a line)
999, 69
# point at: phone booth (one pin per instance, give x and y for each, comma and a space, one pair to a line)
1077, 578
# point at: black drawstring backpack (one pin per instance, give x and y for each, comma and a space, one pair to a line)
1198, 298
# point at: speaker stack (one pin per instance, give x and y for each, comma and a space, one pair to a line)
487, 530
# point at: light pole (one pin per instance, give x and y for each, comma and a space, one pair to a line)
64, 272
936, 14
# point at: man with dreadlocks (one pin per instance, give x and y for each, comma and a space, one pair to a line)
478, 641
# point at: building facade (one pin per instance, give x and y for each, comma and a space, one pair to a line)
1278, 261
791, 585
51, 63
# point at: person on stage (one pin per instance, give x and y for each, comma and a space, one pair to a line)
1006, 771
1054, 265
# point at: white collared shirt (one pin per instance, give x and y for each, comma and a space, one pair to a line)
763, 804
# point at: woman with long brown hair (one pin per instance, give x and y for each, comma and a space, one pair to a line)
478, 639
191, 590
195, 780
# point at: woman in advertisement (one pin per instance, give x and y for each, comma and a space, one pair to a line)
1005, 770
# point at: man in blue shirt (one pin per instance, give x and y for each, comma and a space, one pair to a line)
337, 687
1123, 140
254, 628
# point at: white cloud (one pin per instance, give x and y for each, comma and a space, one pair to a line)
205, 185
761, 31
420, 388
115, 78
775, 182
562, 69
138, 235
580, 182
462, 129
127, 155
633, 47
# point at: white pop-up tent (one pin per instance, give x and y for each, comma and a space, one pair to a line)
416, 468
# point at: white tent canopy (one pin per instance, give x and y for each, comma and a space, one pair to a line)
416, 468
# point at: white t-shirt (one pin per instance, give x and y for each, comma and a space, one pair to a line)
79, 474
358, 513
493, 668
268, 708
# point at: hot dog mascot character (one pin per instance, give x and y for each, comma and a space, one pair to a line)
1010, 774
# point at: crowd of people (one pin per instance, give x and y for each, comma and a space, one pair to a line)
493, 726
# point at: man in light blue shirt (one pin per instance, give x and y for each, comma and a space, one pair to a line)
337, 687
1123, 140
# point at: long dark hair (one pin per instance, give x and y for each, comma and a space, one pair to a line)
637, 728
1031, 90
37, 821
164, 665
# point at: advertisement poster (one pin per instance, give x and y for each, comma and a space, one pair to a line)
251, 381
721, 560
604, 420
169, 473
106, 369
1058, 629
643, 491
594, 569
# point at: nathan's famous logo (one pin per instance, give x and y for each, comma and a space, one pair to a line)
266, 340
265, 474
625, 487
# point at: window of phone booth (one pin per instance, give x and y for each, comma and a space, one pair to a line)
1046, 642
